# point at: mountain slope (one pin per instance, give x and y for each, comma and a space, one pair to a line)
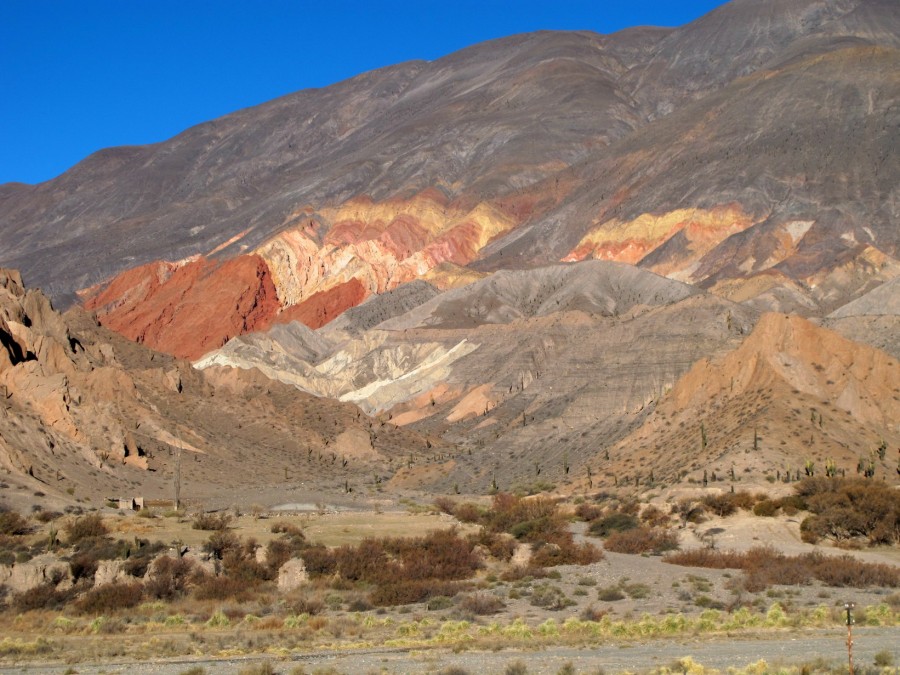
790, 392
86, 415
522, 369
756, 139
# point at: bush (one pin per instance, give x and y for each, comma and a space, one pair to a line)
289, 529
614, 522
610, 594
211, 521
84, 527
13, 524
587, 512
169, 577
727, 504
642, 540
764, 567
550, 597
45, 596
220, 542
482, 604
110, 598
320, 561
500, 546
845, 508
766, 508
209, 587
405, 593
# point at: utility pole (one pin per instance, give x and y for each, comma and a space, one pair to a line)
176, 479
849, 607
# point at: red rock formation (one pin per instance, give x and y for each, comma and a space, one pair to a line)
325, 306
190, 309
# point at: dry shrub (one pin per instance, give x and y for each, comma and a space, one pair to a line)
570, 553
278, 552
442, 554
642, 540
588, 512
13, 524
844, 508
764, 567
210, 587
169, 578
367, 561
519, 572
302, 602
727, 504
288, 529
482, 604
84, 527
240, 564
211, 521
766, 508
445, 505
653, 516
110, 598
500, 545
45, 596
468, 513
220, 542
319, 561
407, 592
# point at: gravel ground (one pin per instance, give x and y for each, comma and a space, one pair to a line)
612, 657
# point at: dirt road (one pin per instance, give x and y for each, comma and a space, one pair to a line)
610, 657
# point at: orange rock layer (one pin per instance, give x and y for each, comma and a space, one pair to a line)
318, 267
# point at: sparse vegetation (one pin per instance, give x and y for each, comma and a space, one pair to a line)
764, 567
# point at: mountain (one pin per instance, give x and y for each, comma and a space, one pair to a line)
750, 149
791, 392
523, 373
86, 415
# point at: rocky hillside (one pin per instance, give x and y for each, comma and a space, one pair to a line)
749, 152
525, 373
86, 415
792, 392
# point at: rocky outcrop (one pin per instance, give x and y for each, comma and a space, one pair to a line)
87, 415
39, 571
292, 575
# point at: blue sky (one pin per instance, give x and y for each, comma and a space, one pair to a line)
79, 76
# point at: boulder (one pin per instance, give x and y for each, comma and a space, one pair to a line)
292, 575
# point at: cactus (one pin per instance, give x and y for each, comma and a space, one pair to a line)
830, 468
810, 468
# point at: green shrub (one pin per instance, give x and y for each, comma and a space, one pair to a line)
614, 522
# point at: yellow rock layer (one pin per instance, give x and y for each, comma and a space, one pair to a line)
630, 241
301, 266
